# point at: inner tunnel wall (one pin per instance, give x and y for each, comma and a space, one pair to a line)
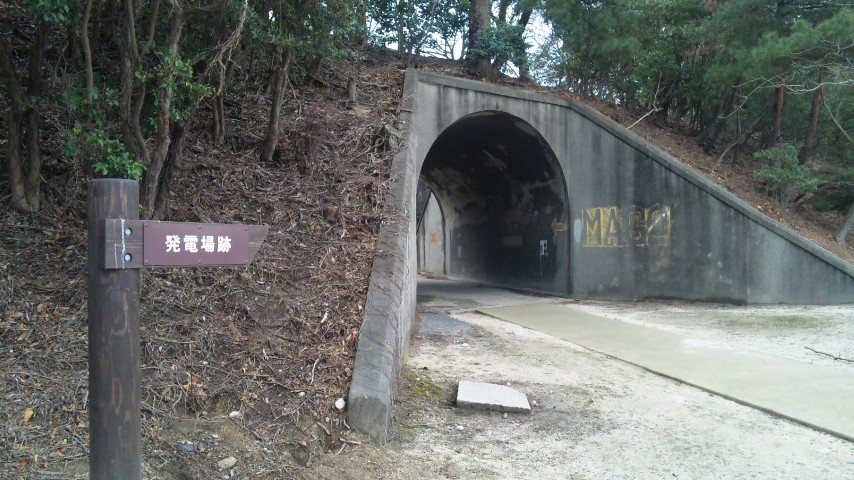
431, 238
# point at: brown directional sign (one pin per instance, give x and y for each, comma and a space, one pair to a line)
144, 243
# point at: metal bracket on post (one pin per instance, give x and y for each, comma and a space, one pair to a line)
122, 243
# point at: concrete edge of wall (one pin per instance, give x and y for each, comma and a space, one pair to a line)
659, 156
390, 303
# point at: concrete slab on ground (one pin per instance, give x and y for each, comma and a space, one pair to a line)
814, 395
491, 396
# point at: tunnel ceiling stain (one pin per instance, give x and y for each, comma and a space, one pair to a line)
491, 143
485, 152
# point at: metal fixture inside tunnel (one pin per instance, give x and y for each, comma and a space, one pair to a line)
503, 204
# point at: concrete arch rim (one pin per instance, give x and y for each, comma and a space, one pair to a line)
545, 156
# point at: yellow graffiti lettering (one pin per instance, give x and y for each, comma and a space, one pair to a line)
558, 227
658, 225
637, 220
614, 231
634, 226
592, 227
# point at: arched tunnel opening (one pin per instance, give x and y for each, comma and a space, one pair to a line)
502, 202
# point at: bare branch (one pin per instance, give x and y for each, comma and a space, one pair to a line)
226, 49
836, 121
654, 109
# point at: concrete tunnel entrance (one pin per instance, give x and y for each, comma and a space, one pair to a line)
502, 205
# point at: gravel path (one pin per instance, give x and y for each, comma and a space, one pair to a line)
595, 417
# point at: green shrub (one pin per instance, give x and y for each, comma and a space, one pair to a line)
786, 177
501, 42
107, 157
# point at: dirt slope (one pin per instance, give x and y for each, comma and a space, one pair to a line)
242, 362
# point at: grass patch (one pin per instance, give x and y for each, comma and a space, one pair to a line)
421, 385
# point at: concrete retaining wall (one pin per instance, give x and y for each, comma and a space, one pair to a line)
390, 306
707, 245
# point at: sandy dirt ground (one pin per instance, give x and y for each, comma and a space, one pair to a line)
595, 417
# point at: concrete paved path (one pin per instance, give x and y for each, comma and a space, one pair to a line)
818, 396
452, 295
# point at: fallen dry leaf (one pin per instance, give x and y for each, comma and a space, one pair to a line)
28, 414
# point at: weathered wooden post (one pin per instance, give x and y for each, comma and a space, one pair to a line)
114, 344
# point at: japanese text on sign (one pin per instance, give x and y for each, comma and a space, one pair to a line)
192, 243
175, 243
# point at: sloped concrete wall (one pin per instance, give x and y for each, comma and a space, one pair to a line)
390, 305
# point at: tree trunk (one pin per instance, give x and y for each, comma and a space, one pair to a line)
362, 19
32, 179
401, 6
808, 149
130, 104
24, 164
660, 116
32, 117
503, 6
73, 48
847, 224
775, 136
173, 162
524, 19
709, 136
527, 11
15, 162
279, 83
87, 52
480, 17
742, 137
126, 74
163, 137
218, 120
352, 89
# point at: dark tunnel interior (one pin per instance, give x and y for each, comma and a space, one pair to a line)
504, 201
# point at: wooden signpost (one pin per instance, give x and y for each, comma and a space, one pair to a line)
119, 245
